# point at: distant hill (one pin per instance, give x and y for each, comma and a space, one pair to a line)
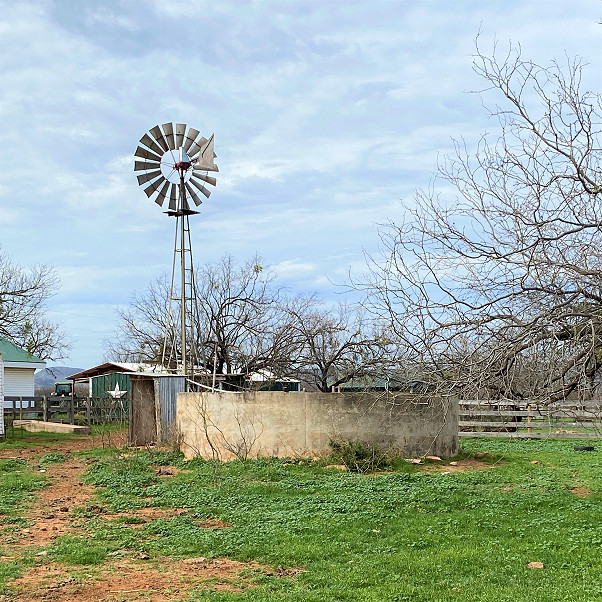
48, 376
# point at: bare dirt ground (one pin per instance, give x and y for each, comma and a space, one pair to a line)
128, 576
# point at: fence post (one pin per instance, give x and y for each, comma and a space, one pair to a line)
20, 408
44, 409
88, 410
529, 429
72, 409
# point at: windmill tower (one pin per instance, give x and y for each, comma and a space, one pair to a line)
174, 160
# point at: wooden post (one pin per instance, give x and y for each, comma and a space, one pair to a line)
72, 410
45, 408
529, 429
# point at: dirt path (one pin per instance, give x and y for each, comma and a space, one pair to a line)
128, 575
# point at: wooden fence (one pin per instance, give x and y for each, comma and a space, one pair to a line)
508, 418
65, 409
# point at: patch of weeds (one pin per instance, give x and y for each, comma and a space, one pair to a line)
131, 520
77, 550
130, 474
18, 521
359, 456
17, 483
12, 465
52, 458
9, 570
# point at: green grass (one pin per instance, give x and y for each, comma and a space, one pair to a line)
399, 536
18, 482
405, 535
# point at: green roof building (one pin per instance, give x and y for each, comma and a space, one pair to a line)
18, 368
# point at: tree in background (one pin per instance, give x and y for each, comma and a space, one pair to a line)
244, 323
23, 294
239, 323
336, 344
496, 290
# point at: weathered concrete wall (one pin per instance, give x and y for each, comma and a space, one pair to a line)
225, 425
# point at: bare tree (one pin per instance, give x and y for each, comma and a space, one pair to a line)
497, 291
140, 332
336, 345
23, 294
239, 324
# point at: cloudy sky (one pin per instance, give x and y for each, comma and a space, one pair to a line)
326, 114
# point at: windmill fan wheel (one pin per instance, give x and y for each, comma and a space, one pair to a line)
175, 157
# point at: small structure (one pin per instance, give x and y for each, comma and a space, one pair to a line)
19, 368
153, 407
143, 394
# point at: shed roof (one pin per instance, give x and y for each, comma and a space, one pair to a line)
11, 353
109, 367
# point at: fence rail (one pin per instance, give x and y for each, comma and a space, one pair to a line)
88, 410
536, 420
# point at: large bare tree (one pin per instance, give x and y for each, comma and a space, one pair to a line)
336, 345
239, 322
496, 290
23, 295
244, 323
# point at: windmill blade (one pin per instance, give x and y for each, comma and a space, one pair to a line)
202, 167
204, 190
140, 165
190, 138
147, 177
162, 193
157, 134
144, 153
180, 131
150, 190
168, 129
193, 194
203, 176
173, 198
197, 146
148, 141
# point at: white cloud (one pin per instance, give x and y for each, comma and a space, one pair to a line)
325, 115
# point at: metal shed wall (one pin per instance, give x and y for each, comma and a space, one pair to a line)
166, 391
101, 385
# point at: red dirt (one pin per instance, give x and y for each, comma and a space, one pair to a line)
581, 491
128, 575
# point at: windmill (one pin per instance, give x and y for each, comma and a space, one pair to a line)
176, 162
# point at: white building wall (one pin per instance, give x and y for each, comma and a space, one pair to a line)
18, 381
1, 397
